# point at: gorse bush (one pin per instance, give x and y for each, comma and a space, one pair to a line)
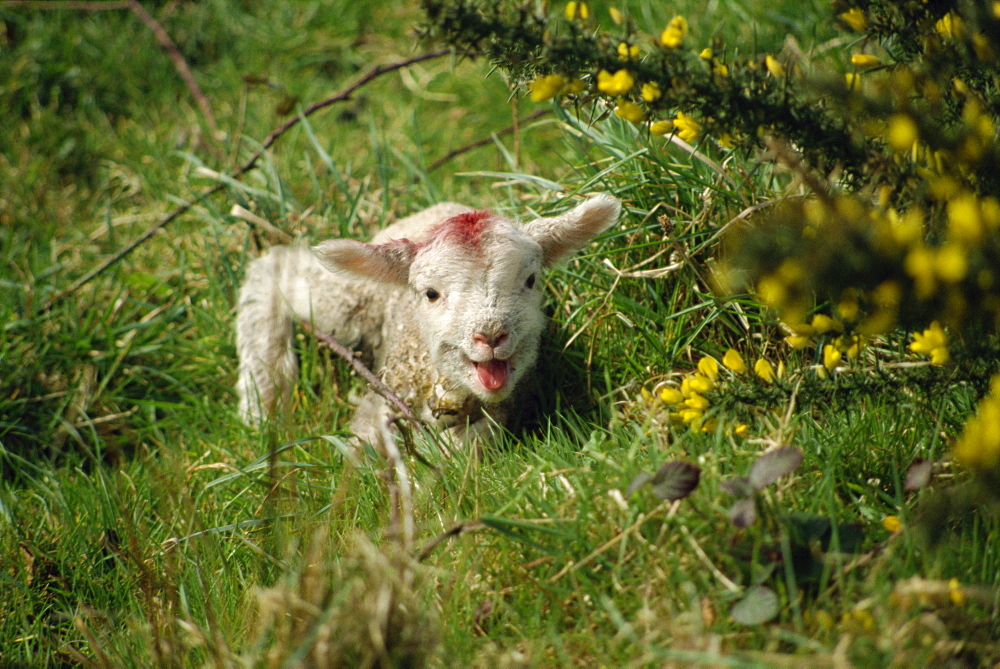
892, 216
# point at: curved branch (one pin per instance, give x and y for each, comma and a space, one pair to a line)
170, 47
343, 95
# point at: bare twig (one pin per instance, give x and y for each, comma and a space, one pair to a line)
483, 142
464, 527
345, 94
363, 371
170, 47
73, 5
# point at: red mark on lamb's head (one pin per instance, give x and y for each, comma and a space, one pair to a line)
466, 229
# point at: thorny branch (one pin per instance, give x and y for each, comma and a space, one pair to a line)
168, 45
363, 371
250, 163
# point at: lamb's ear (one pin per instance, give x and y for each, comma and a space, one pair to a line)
561, 236
388, 262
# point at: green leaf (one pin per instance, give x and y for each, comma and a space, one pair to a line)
758, 606
675, 480
773, 465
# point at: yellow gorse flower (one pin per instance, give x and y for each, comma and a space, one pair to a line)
865, 60
673, 35
696, 402
892, 524
688, 129
831, 357
903, 133
821, 324
577, 10
919, 264
949, 26
978, 447
764, 370
651, 91
546, 87
855, 18
950, 263
627, 51
629, 111
696, 384
932, 342
965, 218
734, 361
661, 127
799, 342
672, 396
619, 83
774, 66
709, 366
956, 593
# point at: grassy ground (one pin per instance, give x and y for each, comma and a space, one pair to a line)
143, 524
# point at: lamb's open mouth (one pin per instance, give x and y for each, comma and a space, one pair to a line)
492, 374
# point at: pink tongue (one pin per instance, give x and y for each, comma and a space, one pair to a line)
492, 374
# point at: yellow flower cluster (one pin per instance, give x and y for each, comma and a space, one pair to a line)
546, 87
622, 85
577, 11
804, 336
978, 447
689, 403
619, 83
687, 127
673, 35
932, 342
950, 26
628, 51
941, 276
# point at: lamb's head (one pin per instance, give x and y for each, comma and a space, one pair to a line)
478, 279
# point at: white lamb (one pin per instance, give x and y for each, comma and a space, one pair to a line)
446, 305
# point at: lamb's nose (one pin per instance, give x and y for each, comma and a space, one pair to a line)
491, 341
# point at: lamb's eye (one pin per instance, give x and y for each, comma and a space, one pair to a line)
530, 283
432, 294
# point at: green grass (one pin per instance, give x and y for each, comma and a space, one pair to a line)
143, 524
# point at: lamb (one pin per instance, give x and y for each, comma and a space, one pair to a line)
444, 304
